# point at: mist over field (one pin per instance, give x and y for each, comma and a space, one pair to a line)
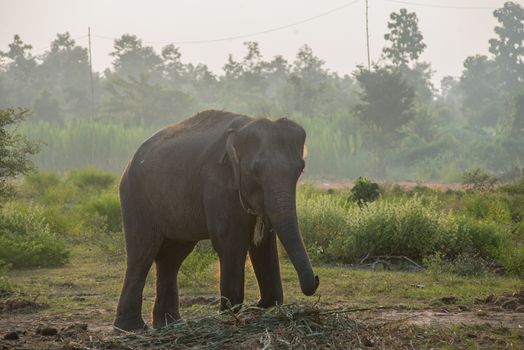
391, 122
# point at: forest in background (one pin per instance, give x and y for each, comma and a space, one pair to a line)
388, 121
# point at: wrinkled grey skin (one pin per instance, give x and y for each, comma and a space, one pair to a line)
182, 186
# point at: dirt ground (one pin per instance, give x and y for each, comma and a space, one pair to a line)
72, 306
407, 185
496, 321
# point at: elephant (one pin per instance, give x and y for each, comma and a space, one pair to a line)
217, 175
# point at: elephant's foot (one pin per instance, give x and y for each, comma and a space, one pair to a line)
269, 302
163, 319
129, 324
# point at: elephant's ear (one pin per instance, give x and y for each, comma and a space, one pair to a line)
233, 157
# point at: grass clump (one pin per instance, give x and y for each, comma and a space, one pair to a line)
25, 238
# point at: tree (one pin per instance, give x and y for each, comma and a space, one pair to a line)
406, 40
174, 69
517, 115
14, 149
19, 56
309, 82
64, 77
508, 47
137, 101
47, 108
386, 107
481, 87
18, 68
131, 58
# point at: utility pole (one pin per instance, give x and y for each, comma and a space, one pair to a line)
367, 35
92, 98
91, 76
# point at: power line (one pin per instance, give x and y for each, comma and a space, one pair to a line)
38, 50
442, 6
244, 36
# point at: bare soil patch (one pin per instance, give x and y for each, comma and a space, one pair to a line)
406, 185
505, 302
291, 326
17, 305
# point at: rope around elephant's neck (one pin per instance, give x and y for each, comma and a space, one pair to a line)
246, 208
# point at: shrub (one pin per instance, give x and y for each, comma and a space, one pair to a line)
516, 187
25, 238
364, 191
195, 268
512, 258
5, 286
92, 179
107, 206
412, 227
97, 233
479, 180
464, 265
487, 206
15, 149
39, 183
397, 227
320, 216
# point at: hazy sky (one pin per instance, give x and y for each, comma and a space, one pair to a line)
338, 38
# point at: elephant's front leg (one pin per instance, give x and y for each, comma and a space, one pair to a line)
230, 229
264, 259
232, 253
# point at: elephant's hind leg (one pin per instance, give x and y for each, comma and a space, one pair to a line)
168, 261
141, 251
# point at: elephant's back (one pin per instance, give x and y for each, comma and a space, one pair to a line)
191, 135
168, 170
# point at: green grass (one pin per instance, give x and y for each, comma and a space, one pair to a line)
92, 276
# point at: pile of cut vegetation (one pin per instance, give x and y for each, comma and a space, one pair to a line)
289, 326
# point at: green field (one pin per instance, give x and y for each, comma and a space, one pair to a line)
63, 258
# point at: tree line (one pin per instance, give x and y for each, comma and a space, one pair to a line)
387, 120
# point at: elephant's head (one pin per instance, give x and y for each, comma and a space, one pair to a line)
267, 160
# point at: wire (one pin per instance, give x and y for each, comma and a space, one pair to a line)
442, 6
244, 36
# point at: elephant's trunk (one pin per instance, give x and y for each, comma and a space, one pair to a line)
281, 209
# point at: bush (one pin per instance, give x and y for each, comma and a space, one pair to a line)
463, 265
107, 206
25, 238
5, 286
320, 216
487, 206
398, 227
516, 187
109, 242
92, 179
412, 227
195, 268
479, 180
39, 183
512, 258
364, 191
